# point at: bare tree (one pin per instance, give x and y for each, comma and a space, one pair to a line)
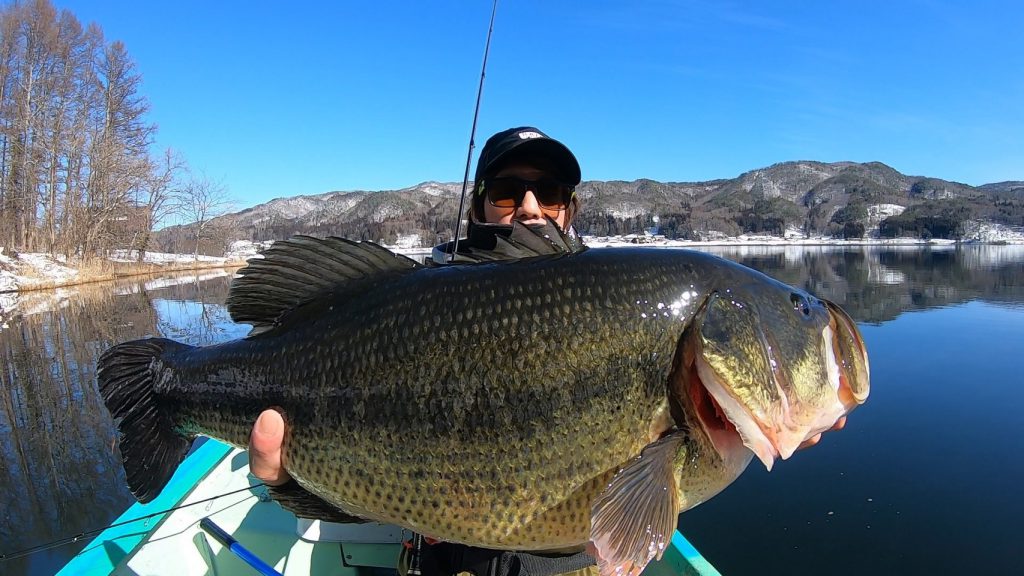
119, 165
203, 200
68, 103
34, 33
162, 197
9, 58
75, 167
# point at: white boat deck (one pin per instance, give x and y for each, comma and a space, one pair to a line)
179, 546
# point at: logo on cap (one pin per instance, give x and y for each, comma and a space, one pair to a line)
528, 135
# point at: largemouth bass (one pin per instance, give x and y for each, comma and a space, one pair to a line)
533, 404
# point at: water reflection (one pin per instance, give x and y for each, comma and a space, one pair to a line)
877, 283
62, 476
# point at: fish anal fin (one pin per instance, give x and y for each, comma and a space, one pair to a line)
302, 268
633, 520
304, 504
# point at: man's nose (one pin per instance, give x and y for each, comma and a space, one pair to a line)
530, 207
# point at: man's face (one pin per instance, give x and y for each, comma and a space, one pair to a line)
529, 210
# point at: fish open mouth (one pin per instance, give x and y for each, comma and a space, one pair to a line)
712, 418
731, 427
709, 411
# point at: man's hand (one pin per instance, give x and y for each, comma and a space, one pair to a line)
817, 437
265, 448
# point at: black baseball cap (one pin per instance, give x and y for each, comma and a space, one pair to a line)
526, 142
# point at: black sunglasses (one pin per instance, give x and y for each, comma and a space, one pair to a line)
509, 191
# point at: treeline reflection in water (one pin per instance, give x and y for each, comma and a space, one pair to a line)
61, 472
877, 283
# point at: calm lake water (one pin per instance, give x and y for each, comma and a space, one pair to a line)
924, 479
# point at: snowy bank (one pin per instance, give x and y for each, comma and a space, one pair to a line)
975, 232
26, 271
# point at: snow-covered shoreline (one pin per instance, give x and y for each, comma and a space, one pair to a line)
31, 271
655, 241
32, 282
34, 271
53, 281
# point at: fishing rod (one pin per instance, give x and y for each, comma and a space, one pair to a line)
472, 134
89, 533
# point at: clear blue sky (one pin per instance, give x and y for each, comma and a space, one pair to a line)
280, 101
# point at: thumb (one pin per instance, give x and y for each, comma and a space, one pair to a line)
265, 448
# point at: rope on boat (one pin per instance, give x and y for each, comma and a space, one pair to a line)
90, 533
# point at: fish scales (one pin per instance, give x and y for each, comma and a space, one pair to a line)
535, 404
425, 398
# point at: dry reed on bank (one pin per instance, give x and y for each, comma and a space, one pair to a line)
97, 270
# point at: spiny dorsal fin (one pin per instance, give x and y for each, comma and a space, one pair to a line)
301, 268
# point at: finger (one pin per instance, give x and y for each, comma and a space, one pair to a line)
840, 424
810, 442
265, 448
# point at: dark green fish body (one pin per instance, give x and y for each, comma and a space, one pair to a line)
501, 404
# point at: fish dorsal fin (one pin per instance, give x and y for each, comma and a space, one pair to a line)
298, 270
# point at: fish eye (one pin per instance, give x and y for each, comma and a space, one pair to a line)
800, 303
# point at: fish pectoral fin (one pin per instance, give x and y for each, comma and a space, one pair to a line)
633, 520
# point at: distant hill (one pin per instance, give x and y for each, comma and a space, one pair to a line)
816, 198
1012, 187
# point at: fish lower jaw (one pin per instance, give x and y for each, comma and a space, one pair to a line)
745, 430
725, 437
